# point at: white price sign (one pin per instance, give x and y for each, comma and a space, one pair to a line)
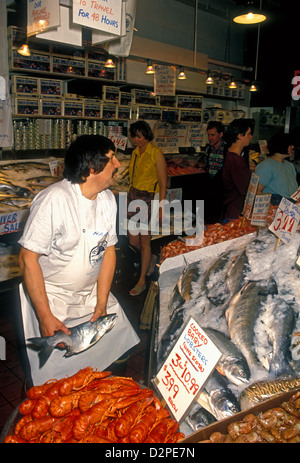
250, 196
260, 210
104, 15
286, 220
186, 369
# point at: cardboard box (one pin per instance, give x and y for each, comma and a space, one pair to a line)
144, 97
24, 85
123, 112
125, 99
26, 106
50, 87
92, 108
111, 94
190, 115
73, 108
108, 111
50, 107
189, 101
65, 65
35, 62
97, 69
146, 112
221, 426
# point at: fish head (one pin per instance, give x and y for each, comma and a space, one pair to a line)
238, 374
106, 322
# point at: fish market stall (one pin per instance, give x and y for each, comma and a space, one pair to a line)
245, 294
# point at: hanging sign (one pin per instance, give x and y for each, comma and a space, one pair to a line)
164, 80
261, 210
42, 15
250, 196
286, 220
103, 15
186, 369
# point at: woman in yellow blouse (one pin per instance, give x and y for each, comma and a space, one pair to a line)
147, 176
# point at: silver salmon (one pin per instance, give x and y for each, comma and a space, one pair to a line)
242, 314
217, 398
232, 363
280, 335
82, 337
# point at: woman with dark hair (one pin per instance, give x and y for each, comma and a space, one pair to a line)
277, 175
68, 260
147, 176
236, 173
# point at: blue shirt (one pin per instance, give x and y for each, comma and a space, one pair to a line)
278, 178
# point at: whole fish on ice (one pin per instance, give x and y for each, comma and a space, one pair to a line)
188, 277
242, 314
232, 363
217, 398
214, 282
82, 337
280, 335
199, 418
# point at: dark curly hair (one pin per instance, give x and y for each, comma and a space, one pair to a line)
237, 127
85, 153
142, 127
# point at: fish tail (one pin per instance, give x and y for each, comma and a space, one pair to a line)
46, 349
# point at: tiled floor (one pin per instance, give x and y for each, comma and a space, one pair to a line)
12, 379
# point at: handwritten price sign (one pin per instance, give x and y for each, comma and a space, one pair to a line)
286, 220
260, 210
250, 196
186, 369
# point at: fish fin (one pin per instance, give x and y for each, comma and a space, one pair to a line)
44, 354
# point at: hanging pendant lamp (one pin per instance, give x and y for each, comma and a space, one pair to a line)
249, 14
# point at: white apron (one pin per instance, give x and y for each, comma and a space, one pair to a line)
73, 307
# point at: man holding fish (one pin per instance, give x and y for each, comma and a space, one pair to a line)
68, 261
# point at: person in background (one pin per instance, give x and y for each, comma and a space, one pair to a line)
215, 154
68, 260
147, 176
236, 173
216, 149
277, 175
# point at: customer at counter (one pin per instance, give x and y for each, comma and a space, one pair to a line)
68, 260
236, 173
277, 175
147, 176
216, 150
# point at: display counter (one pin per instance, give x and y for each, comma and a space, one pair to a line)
210, 284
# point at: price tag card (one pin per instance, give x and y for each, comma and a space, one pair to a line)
186, 369
119, 141
260, 210
296, 195
286, 220
250, 196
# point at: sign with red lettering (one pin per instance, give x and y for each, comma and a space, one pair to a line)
286, 220
103, 15
42, 15
186, 369
250, 196
261, 210
119, 141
